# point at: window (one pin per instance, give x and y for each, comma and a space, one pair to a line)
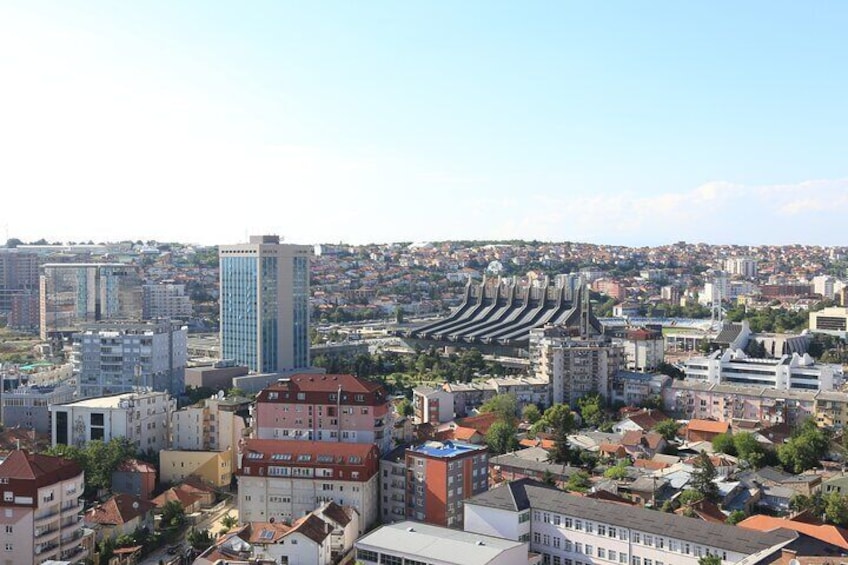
578, 524
9, 547
546, 518
524, 517
602, 553
589, 550
637, 537
390, 560
557, 541
612, 555
602, 530
578, 548
546, 539
8, 529
636, 561
622, 558
557, 519
568, 522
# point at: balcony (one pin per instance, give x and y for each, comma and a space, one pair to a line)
45, 519
43, 534
44, 548
72, 509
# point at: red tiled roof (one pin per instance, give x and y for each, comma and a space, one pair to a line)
328, 383
650, 464
312, 527
268, 447
481, 422
706, 511
136, 466
631, 438
647, 419
833, 535
184, 498
118, 510
266, 532
43, 469
708, 426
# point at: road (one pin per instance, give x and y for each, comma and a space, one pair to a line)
211, 521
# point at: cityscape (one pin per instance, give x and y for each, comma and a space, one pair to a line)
423, 283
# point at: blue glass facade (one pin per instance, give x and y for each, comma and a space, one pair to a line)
300, 305
239, 277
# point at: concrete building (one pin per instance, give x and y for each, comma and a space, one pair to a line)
644, 349
115, 357
166, 300
573, 365
41, 505
213, 468
286, 480
27, 405
213, 424
217, 377
832, 321
18, 275
635, 389
432, 405
414, 543
141, 417
431, 480
134, 477
329, 408
565, 528
265, 304
795, 372
74, 294
744, 267
118, 515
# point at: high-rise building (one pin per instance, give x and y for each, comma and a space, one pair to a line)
18, 277
73, 294
165, 300
115, 357
265, 304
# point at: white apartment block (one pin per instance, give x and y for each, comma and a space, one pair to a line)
40, 519
115, 357
166, 300
210, 425
789, 372
744, 267
568, 529
141, 417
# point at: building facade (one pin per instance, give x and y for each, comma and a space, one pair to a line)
329, 408
265, 304
286, 480
832, 321
789, 372
141, 417
567, 529
18, 275
213, 424
574, 366
41, 506
73, 294
27, 405
166, 300
115, 357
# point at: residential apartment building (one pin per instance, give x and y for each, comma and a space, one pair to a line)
213, 424
165, 300
644, 349
41, 505
286, 480
745, 267
27, 405
432, 405
141, 417
429, 482
73, 294
18, 275
573, 365
264, 304
789, 372
213, 468
114, 357
567, 529
635, 389
329, 408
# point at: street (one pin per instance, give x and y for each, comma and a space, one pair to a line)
211, 521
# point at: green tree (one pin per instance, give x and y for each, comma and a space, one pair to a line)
578, 482
592, 409
531, 414
617, 472
405, 408
504, 405
561, 452
689, 496
748, 449
173, 514
709, 560
199, 539
724, 443
557, 417
814, 504
836, 509
548, 478
667, 429
229, 521
703, 478
804, 449
735, 517
501, 437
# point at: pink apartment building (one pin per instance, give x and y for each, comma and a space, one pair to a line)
332, 408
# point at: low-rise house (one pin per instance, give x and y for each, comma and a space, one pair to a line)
190, 503
643, 444
704, 430
118, 515
134, 477
643, 420
825, 532
530, 463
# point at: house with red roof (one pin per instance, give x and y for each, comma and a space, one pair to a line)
118, 515
704, 430
134, 477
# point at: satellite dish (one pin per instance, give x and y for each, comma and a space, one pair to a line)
135, 505
794, 562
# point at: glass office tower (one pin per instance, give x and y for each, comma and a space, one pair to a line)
265, 304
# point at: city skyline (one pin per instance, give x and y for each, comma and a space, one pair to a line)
614, 124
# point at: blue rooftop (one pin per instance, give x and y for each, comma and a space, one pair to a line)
446, 448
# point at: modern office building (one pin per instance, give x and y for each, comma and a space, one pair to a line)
429, 482
166, 300
265, 304
18, 276
141, 417
567, 529
73, 294
789, 372
115, 357
832, 321
333, 408
40, 509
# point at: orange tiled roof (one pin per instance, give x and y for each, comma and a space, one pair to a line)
829, 534
708, 426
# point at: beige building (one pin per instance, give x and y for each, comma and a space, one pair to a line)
211, 467
213, 424
833, 321
40, 509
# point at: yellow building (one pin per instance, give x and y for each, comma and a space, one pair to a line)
212, 467
831, 408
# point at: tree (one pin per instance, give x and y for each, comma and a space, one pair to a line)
97, 459
504, 405
578, 482
749, 449
703, 478
709, 560
229, 521
13, 242
548, 478
814, 504
199, 539
723, 443
501, 437
617, 472
667, 429
561, 452
836, 509
557, 417
804, 449
173, 514
531, 413
735, 517
405, 408
592, 409
689, 496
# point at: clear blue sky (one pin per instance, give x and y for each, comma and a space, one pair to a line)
615, 122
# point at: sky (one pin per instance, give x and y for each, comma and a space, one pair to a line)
631, 123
